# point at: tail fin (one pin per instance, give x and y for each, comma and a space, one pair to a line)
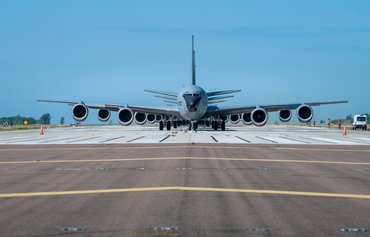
193, 81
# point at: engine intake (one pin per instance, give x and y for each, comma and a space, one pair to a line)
103, 115
285, 115
125, 116
224, 118
80, 112
235, 118
246, 118
158, 118
259, 117
140, 118
304, 113
150, 118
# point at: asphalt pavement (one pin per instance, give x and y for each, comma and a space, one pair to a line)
184, 190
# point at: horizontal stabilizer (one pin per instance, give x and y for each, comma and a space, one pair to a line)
219, 98
216, 102
171, 94
170, 102
166, 97
214, 93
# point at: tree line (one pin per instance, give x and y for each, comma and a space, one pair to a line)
18, 120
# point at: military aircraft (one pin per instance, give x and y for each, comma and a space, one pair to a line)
193, 106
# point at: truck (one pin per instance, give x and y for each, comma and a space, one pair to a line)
359, 121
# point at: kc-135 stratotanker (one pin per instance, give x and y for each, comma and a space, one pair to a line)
193, 106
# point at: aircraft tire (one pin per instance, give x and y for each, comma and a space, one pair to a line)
168, 126
223, 127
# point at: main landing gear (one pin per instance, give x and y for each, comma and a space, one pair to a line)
168, 125
215, 125
193, 125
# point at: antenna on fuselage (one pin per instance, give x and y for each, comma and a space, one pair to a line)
193, 63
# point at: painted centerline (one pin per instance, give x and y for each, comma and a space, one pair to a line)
182, 188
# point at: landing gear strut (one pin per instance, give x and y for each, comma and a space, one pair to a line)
193, 125
223, 126
168, 125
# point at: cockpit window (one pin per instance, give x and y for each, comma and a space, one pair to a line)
192, 94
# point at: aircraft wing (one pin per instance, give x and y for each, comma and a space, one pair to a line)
215, 110
155, 110
117, 107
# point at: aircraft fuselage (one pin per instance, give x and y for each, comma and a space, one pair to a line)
192, 102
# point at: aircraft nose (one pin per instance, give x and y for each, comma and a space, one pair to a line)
192, 102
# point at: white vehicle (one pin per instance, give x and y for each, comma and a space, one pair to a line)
359, 121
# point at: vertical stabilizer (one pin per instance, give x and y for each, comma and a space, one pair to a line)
193, 63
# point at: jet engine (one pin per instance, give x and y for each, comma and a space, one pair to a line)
246, 118
80, 112
158, 118
285, 115
103, 115
259, 117
235, 118
304, 113
140, 118
150, 118
125, 116
224, 118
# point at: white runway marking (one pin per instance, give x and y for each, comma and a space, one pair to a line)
269, 134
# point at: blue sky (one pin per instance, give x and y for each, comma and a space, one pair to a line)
109, 51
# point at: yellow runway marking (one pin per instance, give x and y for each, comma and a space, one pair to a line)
102, 147
181, 188
186, 158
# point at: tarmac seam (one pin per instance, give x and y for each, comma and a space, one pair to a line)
183, 188
135, 139
214, 139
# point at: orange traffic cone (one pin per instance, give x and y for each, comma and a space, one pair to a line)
345, 131
42, 131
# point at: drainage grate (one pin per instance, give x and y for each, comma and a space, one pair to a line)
70, 169
353, 229
360, 171
74, 229
7, 168
261, 230
166, 228
184, 168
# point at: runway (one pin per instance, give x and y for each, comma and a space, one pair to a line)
270, 134
184, 189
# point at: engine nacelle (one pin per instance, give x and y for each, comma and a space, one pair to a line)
80, 112
140, 118
259, 117
285, 115
125, 116
304, 113
150, 118
103, 115
234, 118
224, 118
158, 118
246, 118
